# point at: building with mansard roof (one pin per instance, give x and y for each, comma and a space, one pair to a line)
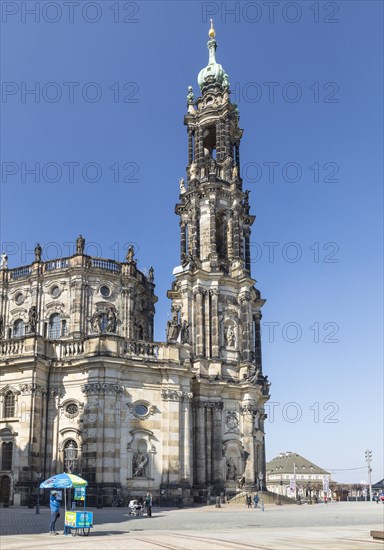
84, 386
290, 474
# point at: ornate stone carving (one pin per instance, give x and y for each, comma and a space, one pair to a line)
38, 251
174, 326
249, 408
232, 421
130, 254
139, 463
169, 394
231, 470
214, 405
253, 375
185, 333
104, 320
100, 389
4, 261
230, 337
80, 244
28, 389
32, 319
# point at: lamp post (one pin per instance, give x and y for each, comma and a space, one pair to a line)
261, 477
309, 491
39, 476
368, 458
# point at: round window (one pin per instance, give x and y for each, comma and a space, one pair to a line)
72, 409
141, 410
19, 299
55, 292
105, 291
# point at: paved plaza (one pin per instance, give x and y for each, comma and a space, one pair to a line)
322, 526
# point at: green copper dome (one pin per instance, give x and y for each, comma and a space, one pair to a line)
213, 73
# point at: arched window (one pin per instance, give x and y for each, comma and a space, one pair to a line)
70, 455
6, 455
54, 326
9, 405
18, 328
103, 322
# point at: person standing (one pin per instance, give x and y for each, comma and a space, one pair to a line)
256, 500
148, 504
248, 501
54, 504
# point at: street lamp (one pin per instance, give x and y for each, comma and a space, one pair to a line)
39, 476
368, 458
261, 477
309, 491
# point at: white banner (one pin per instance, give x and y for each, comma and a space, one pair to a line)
325, 484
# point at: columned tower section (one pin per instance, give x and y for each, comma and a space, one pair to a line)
216, 309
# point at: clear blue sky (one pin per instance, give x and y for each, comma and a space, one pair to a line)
112, 93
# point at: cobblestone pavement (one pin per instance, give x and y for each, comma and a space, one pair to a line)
344, 526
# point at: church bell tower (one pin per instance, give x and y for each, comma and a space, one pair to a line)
216, 309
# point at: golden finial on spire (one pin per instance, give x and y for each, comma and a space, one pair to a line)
211, 31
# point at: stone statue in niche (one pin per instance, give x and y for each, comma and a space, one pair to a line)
173, 327
231, 470
1, 326
111, 320
139, 463
96, 321
80, 244
32, 319
185, 332
230, 337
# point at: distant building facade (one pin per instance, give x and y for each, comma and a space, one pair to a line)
85, 388
291, 475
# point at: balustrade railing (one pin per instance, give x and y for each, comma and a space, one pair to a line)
62, 350
109, 265
53, 265
11, 347
138, 347
71, 348
20, 272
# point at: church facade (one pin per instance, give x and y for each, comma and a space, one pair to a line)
85, 388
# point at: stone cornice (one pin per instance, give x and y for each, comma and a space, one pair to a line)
102, 389
169, 394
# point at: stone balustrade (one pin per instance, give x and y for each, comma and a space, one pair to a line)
108, 344
9, 348
76, 261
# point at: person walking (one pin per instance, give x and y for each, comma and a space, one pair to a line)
148, 504
54, 505
256, 500
248, 501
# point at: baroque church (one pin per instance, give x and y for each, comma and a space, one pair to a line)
85, 388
